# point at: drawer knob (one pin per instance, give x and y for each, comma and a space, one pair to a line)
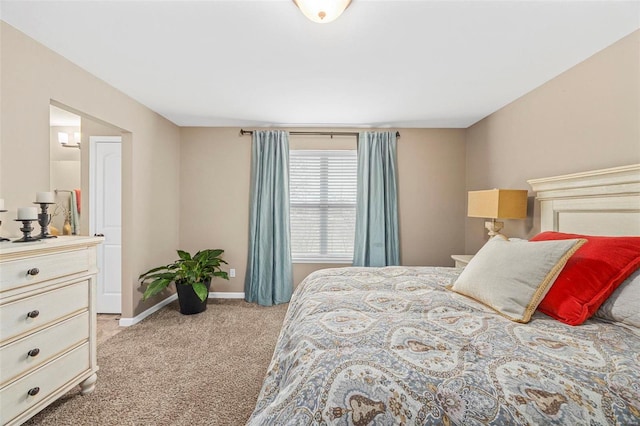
33, 271
33, 314
33, 352
33, 391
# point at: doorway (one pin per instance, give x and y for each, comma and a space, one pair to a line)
73, 170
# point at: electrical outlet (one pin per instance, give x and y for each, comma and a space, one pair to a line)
232, 273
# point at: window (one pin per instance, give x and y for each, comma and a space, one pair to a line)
323, 187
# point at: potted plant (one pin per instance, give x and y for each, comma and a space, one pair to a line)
192, 276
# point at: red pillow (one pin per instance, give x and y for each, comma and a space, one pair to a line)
590, 275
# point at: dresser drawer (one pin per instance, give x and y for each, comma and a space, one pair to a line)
15, 273
15, 398
31, 313
38, 348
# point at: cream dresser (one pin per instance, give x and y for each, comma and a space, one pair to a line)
47, 323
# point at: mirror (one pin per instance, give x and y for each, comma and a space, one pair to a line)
65, 170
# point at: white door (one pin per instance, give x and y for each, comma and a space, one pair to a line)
105, 189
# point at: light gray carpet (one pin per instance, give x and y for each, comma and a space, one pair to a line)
173, 369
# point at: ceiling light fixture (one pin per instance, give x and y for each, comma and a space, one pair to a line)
322, 11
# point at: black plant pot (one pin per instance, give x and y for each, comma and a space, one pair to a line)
189, 301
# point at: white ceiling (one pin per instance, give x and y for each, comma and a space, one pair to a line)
383, 63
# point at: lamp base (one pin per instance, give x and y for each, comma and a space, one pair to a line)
493, 227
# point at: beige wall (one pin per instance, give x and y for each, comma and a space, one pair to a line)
215, 183
31, 76
586, 118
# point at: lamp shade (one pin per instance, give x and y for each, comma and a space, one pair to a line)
498, 204
322, 11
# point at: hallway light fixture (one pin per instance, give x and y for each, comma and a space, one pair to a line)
63, 138
322, 11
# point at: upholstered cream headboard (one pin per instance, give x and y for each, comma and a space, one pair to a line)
599, 202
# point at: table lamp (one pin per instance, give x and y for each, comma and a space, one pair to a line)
497, 204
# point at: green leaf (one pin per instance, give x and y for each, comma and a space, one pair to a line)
154, 288
166, 275
150, 271
201, 290
216, 252
184, 255
221, 274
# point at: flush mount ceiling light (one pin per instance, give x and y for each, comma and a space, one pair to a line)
322, 11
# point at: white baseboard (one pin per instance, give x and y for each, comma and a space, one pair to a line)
225, 295
127, 322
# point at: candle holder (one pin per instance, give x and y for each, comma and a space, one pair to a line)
44, 219
1, 238
26, 231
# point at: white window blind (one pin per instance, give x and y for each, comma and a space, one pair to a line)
323, 187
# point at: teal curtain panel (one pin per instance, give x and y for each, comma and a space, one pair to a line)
269, 278
376, 239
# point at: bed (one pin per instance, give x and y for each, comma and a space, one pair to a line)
396, 345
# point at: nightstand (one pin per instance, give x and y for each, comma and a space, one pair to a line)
461, 259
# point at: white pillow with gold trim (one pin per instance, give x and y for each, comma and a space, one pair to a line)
512, 277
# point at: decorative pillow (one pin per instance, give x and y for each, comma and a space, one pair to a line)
624, 304
590, 276
513, 277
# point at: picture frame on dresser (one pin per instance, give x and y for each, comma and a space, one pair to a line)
47, 323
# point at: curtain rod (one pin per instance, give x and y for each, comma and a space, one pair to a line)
250, 132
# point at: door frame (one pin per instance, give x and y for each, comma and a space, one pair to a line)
93, 188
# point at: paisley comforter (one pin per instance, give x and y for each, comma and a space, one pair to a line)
392, 346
